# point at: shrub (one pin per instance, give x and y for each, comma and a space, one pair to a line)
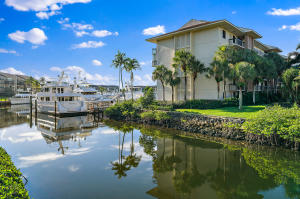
148, 97
123, 111
206, 104
11, 184
275, 120
155, 115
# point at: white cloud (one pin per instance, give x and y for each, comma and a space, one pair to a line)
45, 6
46, 15
73, 71
2, 50
12, 70
97, 62
63, 20
145, 63
145, 80
73, 168
291, 27
2, 19
89, 44
103, 33
154, 30
233, 12
282, 12
56, 69
18, 135
35, 36
80, 33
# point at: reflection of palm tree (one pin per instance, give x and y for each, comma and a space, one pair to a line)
119, 166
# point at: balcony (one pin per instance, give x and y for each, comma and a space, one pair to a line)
154, 51
236, 42
154, 63
260, 53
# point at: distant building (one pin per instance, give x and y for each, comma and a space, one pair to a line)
9, 84
202, 39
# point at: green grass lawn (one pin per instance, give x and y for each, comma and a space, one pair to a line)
246, 112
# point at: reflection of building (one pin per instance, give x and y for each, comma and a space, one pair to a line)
9, 84
64, 129
193, 169
10, 117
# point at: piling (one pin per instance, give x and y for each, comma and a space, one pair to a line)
55, 114
30, 111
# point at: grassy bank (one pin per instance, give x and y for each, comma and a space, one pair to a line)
11, 184
246, 112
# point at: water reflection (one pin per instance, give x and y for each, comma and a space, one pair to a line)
91, 159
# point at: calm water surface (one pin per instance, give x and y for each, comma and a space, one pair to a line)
77, 157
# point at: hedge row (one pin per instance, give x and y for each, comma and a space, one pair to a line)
11, 184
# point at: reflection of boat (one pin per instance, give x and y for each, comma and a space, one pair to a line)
62, 129
22, 97
20, 110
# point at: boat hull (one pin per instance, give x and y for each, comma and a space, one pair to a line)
15, 101
62, 108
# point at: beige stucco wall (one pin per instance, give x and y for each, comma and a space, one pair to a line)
203, 45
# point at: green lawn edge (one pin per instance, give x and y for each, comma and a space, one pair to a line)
11, 183
246, 112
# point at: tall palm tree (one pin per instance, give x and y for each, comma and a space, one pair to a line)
242, 73
129, 66
216, 71
173, 80
194, 68
182, 60
160, 72
119, 62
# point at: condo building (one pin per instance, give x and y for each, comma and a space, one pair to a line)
202, 39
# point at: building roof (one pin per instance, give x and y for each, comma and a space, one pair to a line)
193, 25
13, 76
265, 47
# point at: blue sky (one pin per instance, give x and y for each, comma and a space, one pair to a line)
41, 38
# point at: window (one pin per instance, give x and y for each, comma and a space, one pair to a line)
46, 89
53, 90
47, 99
224, 34
62, 90
233, 39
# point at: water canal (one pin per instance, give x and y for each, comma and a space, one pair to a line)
77, 157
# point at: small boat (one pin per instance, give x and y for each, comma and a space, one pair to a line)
22, 97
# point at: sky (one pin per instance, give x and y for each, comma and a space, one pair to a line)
41, 38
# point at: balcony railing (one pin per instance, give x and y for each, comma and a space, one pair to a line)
236, 42
154, 51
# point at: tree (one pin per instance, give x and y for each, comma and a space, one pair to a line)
194, 68
129, 66
160, 72
288, 78
294, 57
33, 83
148, 97
119, 62
242, 73
182, 60
173, 80
102, 89
216, 70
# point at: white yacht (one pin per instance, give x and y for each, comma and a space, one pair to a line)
58, 97
22, 97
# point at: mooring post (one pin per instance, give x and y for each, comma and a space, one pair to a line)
35, 111
30, 98
55, 114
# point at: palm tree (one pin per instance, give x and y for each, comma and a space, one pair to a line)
130, 66
242, 73
294, 57
173, 80
119, 62
195, 67
216, 70
182, 60
160, 72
